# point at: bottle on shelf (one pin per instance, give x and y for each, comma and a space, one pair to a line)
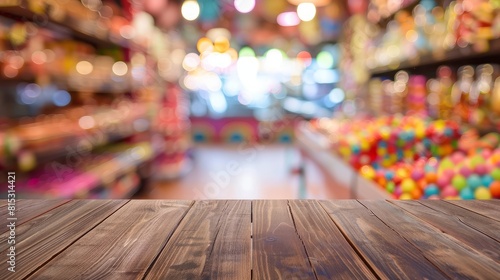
460, 94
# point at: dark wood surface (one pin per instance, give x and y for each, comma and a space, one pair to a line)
263, 239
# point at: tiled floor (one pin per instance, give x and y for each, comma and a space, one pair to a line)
248, 172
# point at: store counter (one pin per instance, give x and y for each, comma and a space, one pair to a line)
244, 239
317, 147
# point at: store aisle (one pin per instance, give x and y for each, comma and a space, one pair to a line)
253, 172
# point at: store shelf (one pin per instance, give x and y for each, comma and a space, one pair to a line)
405, 7
71, 27
457, 56
317, 146
102, 170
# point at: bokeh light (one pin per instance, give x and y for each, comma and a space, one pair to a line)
306, 11
190, 10
244, 6
288, 19
324, 60
84, 67
120, 68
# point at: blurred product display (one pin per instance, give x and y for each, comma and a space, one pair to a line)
80, 95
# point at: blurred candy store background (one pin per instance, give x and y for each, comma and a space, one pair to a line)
251, 99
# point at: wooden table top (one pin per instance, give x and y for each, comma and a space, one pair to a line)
243, 239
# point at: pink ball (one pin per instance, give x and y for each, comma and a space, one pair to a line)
465, 171
398, 191
481, 169
486, 153
449, 191
417, 174
443, 180
457, 157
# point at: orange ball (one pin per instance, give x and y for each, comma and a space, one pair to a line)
422, 183
416, 193
431, 177
495, 189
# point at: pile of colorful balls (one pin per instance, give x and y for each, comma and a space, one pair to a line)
413, 158
387, 140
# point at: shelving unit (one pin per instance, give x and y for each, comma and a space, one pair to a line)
100, 172
108, 153
456, 56
69, 26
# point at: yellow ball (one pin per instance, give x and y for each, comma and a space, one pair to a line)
482, 193
408, 185
405, 196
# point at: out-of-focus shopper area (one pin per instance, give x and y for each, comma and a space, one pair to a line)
251, 99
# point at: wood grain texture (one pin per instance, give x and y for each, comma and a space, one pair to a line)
474, 220
29, 209
454, 227
457, 260
40, 239
121, 247
230, 257
190, 251
387, 253
278, 251
488, 208
331, 256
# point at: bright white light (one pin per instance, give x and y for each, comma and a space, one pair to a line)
288, 19
310, 90
231, 87
248, 68
86, 122
292, 104
190, 10
308, 108
306, 11
218, 102
274, 57
120, 68
244, 6
84, 67
224, 60
212, 82
190, 82
190, 62
337, 95
326, 76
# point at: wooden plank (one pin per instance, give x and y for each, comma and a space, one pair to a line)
278, 252
488, 208
454, 227
42, 238
474, 220
329, 252
388, 254
190, 252
121, 247
454, 258
28, 209
231, 254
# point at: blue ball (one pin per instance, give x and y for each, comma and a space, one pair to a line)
389, 175
431, 190
487, 180
356, 149
467, 193
474, 181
